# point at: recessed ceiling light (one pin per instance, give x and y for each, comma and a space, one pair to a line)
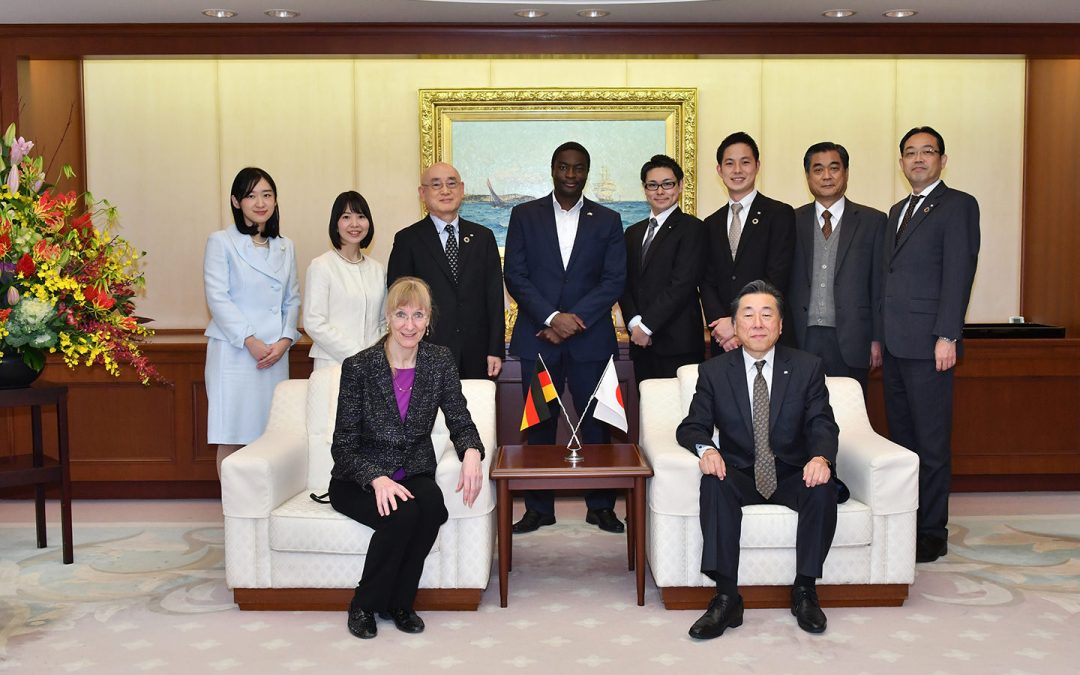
219, 13
838, 13
593, 13
530, 13
900, 13
282, 13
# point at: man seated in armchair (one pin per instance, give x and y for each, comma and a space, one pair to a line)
777, 445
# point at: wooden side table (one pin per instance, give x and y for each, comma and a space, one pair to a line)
36, 468
543, 467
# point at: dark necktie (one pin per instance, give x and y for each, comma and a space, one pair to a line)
913, 203
826, 229
452, 250
649, 234
764, 460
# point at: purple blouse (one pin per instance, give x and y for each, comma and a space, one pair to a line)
403, 382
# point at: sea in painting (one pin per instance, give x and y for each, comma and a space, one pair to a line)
506, 162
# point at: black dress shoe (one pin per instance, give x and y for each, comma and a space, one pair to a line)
406, 620
807, 609
362, 623
929, 548
532, 521
724, 612
605, 519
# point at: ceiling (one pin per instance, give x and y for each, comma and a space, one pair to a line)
559, 11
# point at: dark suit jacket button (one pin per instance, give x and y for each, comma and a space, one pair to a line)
733, 277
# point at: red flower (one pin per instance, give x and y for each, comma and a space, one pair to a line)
4, 314
5, 244
26, 266
99, 299
44, 251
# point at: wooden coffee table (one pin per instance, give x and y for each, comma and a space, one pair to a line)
618, 466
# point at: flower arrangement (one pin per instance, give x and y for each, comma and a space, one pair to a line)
66, 281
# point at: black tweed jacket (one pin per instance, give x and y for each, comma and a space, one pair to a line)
370, 440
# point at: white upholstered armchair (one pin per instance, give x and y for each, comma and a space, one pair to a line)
872, 560
285, 551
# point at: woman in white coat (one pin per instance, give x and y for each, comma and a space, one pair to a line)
345, 290
249, 273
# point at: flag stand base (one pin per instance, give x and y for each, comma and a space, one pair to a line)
574, 457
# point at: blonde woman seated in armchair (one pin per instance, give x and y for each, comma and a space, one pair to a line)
384, 462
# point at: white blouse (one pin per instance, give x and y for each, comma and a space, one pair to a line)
344, 306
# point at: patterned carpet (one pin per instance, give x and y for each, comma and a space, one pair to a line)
151, 598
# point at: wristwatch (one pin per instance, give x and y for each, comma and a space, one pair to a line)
946, 339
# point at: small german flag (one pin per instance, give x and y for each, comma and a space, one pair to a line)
541, 391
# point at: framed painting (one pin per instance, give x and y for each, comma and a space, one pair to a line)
501, 140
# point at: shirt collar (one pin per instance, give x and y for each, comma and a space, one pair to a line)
928, 189
440, 224
663, 215
745, 201
576, 208
749, 361
836, 210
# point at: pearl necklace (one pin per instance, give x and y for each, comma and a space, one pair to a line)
351, 262
265, 243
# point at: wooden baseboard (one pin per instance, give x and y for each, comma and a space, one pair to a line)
763, 597
337, 599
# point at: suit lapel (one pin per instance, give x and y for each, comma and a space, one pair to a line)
805, 233
750, 224
662, 233
737, 379
548, 228
849, 224
780, 378
269, 264
584, 225
430, 236
424, 380
926, 206
385, 381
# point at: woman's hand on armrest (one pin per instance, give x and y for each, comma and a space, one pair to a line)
472, 477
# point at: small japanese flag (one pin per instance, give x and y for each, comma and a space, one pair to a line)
609, 399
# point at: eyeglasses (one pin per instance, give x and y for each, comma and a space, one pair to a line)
653, 187
437, 185
912, 153
402, 316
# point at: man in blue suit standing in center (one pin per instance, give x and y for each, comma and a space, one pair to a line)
565, 266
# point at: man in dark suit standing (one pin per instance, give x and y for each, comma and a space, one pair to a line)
664, 260
931, 251
836, 274
459, 260
777, 445
566, 267
752, 237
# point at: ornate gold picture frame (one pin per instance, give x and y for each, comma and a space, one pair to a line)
501, 141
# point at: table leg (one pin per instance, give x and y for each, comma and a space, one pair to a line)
630, 528
639, 536
39, 490
65, 481
504, 507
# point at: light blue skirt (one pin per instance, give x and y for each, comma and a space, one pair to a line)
238, 394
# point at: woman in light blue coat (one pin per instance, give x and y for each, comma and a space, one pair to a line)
249, 273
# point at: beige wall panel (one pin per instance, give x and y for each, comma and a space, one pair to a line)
295, 119
152, 151
847, 101
717, 118
978, 106
388, 134
557, 72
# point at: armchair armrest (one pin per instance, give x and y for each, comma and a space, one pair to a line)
260, 477
446, 475
879, 473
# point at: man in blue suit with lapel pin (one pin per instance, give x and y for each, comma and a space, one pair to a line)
565, 266
836, 275
776, 444
931, 251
